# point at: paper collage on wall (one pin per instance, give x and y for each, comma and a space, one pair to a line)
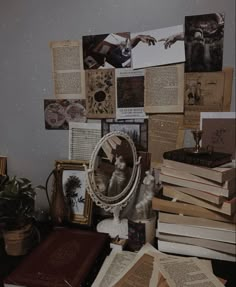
131, 76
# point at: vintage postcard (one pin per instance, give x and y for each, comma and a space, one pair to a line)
204, 37
136, 129
154, 48
219, 131
206, 92
107, 51
130, 94
68, 76
58, 113
100, 93
164, 89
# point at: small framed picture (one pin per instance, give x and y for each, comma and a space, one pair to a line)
71, 179
136, 129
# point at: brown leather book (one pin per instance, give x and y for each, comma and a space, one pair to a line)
67, 257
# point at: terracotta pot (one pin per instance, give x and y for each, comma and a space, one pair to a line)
19, 242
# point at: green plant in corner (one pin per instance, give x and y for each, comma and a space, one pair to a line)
17, 200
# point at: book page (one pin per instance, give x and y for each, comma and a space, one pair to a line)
164, 89
165, 134
115, 263
66, 69
187, 272
83, 137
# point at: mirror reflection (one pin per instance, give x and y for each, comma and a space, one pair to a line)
113, 168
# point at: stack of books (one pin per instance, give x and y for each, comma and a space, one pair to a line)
197, 212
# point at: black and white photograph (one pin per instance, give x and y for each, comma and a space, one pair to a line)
204, 36
72, 182
107, 51
158, 47
136, 129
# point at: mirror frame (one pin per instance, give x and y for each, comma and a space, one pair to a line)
108, 203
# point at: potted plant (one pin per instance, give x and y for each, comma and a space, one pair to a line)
17, 198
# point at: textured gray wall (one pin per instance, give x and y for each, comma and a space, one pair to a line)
27, 27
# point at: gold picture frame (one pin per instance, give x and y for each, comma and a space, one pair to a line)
71, 181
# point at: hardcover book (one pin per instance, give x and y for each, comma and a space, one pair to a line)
216, 190
227, 207
213, 159
189, 209
218, 174
68, 257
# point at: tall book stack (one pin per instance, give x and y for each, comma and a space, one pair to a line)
197, 212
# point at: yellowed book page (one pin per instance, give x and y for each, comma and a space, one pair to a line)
206, 92
68, 75
165, 133
189, 271
164, 89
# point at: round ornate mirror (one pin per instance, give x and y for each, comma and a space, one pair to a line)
113, 176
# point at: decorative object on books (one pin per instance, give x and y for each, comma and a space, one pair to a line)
67, 257
17, 197
197, 135
113, 176
213, 159
71, 185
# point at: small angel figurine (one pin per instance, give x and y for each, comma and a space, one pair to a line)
143, 207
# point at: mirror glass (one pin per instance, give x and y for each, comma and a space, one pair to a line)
113, 168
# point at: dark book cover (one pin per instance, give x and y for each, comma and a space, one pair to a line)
211, 160
67, 257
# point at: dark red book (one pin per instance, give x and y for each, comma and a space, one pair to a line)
67, 257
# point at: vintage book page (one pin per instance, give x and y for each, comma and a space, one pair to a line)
206, 92
130, 94
164, 89
113, 266
100, 93
83, 137
67, 69
188, 271
165, 133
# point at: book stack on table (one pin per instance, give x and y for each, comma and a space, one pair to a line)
197, 212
